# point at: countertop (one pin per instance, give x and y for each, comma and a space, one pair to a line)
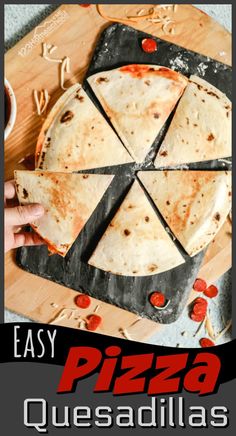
19, 20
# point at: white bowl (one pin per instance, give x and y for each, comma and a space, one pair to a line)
12, 117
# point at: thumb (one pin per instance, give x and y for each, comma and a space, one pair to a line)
20, 215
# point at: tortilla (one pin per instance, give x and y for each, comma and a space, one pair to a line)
77, 137
200, 129
68, 199
138, 99
194, 204
135, 243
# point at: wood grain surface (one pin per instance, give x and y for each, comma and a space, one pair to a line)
76, 36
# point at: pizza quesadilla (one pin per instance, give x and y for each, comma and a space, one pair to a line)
75, 136
200, 129
68, 199
135, 242
194, 204
138, 100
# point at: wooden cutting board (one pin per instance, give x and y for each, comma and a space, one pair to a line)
75, 31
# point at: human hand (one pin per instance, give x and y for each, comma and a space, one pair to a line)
16, 217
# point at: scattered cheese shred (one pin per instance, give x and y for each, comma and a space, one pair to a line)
47, 50
115, 20
135, 322
165, 26
125, 334
54, 305
65, 68
200, 328
59, 317
82, 324
225, 161
97, 308
152, 16
209, 328
142, 17
41, 99
222, 333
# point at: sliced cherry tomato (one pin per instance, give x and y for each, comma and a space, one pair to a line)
199, 285
211, 291
86, 5
197, 318
199, 309
149, 45
157, 299
93, 322
205, 342
83, 301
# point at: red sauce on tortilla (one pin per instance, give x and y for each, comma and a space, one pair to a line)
140, 71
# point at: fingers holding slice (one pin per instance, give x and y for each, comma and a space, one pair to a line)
27, 239
20, 215
9, 190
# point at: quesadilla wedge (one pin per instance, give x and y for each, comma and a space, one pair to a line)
53, 112
135, 243
77, 137
138, 100
194, 204
200, 129
68, 199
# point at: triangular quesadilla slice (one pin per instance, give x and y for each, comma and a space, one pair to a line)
68, 199
194, 204
77, 137
200, 129
135, 243
138, 100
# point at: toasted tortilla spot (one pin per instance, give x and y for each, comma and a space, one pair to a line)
210, 137
67, 116
102, 79
127, 232
164, 153
152, 268
25, 193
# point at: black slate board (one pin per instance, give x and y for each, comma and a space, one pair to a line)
120, 45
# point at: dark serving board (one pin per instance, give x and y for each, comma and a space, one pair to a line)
120, 45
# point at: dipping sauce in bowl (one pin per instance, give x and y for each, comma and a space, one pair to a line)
9, 109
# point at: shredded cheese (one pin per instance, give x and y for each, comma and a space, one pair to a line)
227, 327
135, 322
46, 100
65, 68
47, 50
82, 324
125, 334
36, 99
165, 26
41, 99
115, 20
225, 161
59, 317
142, 17
209, 328
200, 328
97, 308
